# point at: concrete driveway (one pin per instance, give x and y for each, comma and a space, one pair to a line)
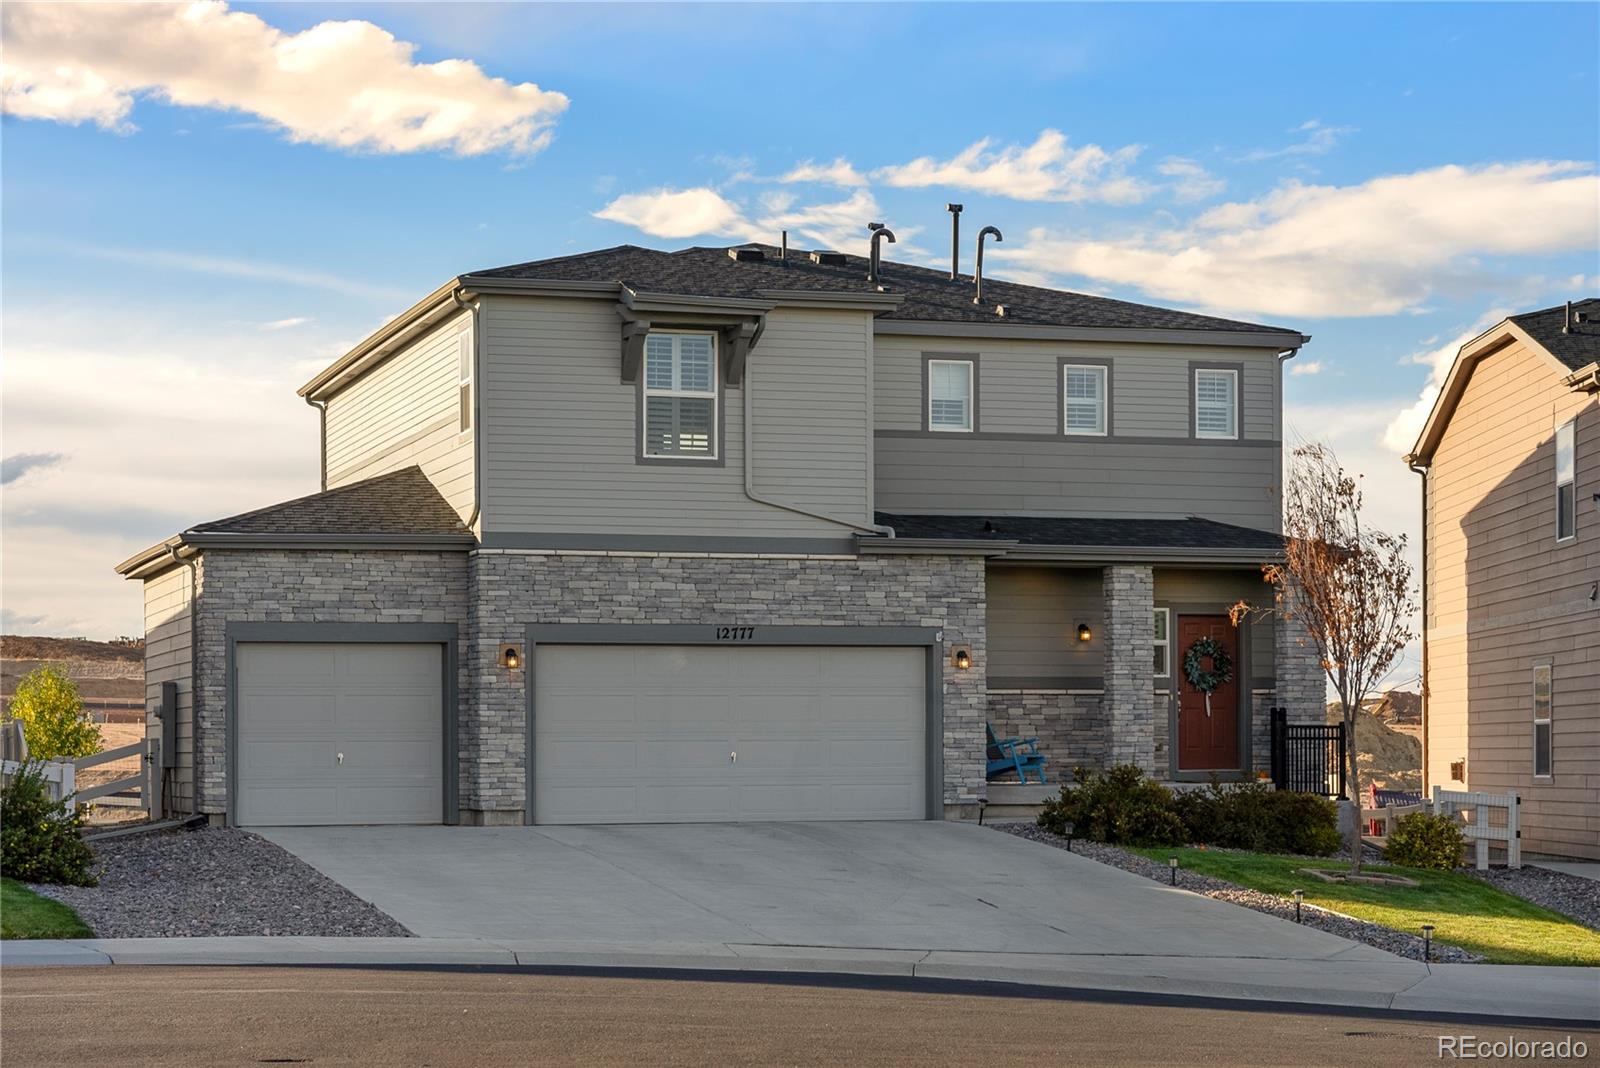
914, 886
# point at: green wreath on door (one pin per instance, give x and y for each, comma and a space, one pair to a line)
1200, 677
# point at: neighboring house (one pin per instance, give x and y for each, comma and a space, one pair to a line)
1510, 459
730, 534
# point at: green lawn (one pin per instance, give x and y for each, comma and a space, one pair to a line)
1465, 911
24, 914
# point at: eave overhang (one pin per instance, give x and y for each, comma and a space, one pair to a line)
1277, 341
1013, 552
165, 554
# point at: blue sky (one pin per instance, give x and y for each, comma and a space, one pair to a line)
184, 248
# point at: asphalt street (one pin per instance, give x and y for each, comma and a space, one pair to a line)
131, 1016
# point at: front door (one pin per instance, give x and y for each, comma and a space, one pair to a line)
1208, 734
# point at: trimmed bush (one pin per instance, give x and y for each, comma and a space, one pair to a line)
39, 839
1120, 807
1424, 840
1256, 817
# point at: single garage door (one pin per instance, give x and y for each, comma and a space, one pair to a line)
686, 734
339, 732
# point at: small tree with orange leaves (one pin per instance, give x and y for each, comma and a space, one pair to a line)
1348, 584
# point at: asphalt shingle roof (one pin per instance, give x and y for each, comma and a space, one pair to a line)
1577, 349
402, 502
930, 296
1191, 533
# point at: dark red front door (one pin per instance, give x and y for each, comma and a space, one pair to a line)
1208, 741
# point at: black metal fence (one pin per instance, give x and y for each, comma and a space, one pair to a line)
1308, 758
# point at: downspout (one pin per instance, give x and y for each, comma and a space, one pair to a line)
195, 733
750, 474
322, 437
477, 405
1423, 471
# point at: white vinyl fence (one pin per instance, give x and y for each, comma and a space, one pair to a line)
132, 791
1477, 814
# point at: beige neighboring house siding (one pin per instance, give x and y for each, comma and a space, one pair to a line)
405, 411
167, 658
562, 444
1504, 595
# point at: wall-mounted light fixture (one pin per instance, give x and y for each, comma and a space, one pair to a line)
1084, 633
961, 657
510, 657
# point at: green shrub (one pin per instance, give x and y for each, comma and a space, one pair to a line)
53, 720
39, 839
1424, 840
1120, 807
1256, 817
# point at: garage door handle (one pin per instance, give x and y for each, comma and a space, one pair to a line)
733, 757
341, 758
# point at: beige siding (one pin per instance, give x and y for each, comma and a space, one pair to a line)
560, 455
403, 412
167, 659
1503, 595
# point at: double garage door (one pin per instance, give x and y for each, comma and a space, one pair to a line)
706, 733
353, 733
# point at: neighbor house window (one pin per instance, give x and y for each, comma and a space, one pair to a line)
1163, 657
1083, 399
1566, 489
1541, 719
1216, 403
680, 396
464, 374
950, 394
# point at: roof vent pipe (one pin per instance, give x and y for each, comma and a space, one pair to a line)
955, 240
874, 257
985, 232
1566, 324
783, 250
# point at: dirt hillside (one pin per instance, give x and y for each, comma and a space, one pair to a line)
1388, 758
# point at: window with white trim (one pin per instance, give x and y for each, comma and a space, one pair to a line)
950, 394
1542, 700
464, 375
1216, 403
680, 395
1083, 398
1566, 482
1163, 646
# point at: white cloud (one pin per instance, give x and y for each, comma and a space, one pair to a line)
1190, 181
1378, 248
1318, 140
1402, 429
705, 212
285, 324
348, 84
675, 213
1306, 367
1048, 169
840, 172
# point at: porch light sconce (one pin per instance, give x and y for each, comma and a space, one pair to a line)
510, 657
961, 657
1084, 633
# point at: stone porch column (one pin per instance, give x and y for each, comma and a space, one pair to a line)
1129, 683
1301, 686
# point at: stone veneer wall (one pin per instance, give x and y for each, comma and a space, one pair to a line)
1071, 727
1130, 635
513, 588
309, 586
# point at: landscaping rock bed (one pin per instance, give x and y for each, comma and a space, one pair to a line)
1570, 895
1397, 942
214, 881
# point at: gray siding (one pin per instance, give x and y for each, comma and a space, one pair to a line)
954, 473
167, 658
1033, 615
404, 412
561, 444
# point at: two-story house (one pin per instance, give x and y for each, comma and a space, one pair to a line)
736, 534
1510, 459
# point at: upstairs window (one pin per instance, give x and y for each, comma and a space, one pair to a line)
950, 390
680, 396
1541, 719
1216, 403
1566, 483
464, 375
1083, 399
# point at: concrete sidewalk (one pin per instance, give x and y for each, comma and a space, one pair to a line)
1355, 982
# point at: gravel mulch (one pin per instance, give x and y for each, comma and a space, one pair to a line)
1385, 938
214, 881
1570, 895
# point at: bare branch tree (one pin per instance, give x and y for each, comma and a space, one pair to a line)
1349, 584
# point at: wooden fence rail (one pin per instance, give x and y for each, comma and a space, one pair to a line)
1472, 810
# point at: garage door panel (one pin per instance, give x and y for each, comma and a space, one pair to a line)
820, 732
302, 704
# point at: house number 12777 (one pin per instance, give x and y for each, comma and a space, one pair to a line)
735, 634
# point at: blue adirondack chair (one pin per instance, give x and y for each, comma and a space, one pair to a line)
1019, 755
